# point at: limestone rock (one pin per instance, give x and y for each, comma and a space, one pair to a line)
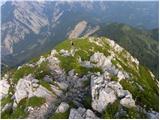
62, 85
79, 28
115, 46
101, 60
105, 91
90, 115
48, 79
56, 90
4, 85
63, 107
101, 94
64, 52
54, 66
86, 64
71, 72
77, 114
128, 101
82, 113
24, 89
42, 59
152, 115
54, 52
6, 107
122, 75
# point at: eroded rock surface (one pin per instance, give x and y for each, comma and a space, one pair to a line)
105, 91
4, 85
63, 107
92, 84
82, 113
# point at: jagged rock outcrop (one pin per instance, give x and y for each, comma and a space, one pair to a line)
82, 113
153, 115
100, 80
28, 87
63, 107
105, 91
4, 85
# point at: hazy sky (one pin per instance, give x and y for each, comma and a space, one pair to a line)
3, 1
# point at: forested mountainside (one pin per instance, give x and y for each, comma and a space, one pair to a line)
32, 28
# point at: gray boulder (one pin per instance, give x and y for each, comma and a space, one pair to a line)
4, 85
128, 102
104, 92
90, 115
63, 107
77, 113
48, 79
28, 87
152, 115
82, 113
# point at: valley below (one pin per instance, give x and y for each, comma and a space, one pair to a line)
79, 60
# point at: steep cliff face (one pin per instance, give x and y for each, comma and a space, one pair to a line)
22, 19
81, 78
38, 26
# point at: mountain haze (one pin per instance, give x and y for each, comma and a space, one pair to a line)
32, 28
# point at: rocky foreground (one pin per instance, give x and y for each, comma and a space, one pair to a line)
93, 78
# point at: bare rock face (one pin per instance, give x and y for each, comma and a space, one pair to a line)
79, 28
105, 63
9, 40
101, 94
65, 52
82, 113
105, 91
101, 87
23, 22
54, 63
101, 60
6, 107
90, 114
48, 79
90, 31
62, 85
128, 101
4, 85
28, 87
63, 107
77, 114
36, 18
153, 115
42, 59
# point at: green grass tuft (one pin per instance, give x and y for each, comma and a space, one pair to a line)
64, 115
111, 110
20, 73
36, 101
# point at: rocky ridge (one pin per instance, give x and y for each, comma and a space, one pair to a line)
93, 78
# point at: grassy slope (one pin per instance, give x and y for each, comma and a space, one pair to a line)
21, 110
148, 97
140, 43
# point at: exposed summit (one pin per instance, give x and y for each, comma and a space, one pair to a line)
92, 78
